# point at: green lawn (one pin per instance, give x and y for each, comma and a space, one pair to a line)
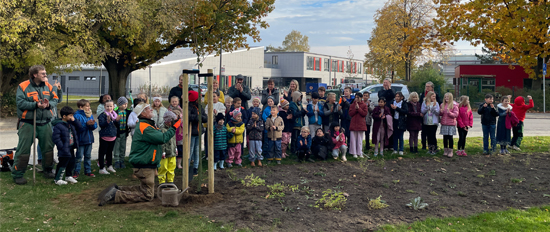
46, 206
533, 219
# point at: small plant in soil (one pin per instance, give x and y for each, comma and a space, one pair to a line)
231, 174
277, 190
483, 202
416, 182
517, 180
492, 173
303, 180
251, 181
422, 174
480, 176
461, 194
433, 193
381, 163
364, 165
417, 204
331, 200
451, 186
322, 174
386, 185
446, 163
294, 188
377, 203
410, 191
545, 195
395, 181
308, 190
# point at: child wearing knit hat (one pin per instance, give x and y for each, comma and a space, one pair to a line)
220, 141
236, 127
122, 133
286, 115
169, 151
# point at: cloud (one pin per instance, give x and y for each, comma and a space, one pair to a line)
342, 51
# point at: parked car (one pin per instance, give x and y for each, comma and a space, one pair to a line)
373, 89
196, 88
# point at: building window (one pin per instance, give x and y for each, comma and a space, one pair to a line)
309, 61
275, 60
327, 66
317, 64
73, 78
342, 66
334, 65
90, 78
360, 68
54, 78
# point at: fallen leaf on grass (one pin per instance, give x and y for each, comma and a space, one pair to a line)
267, 196
450, 224
353, 175
346, 195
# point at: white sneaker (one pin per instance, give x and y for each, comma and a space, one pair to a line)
103, 171
60, 182
516, 148
375, 154
361, 156
400, 153
111, 169
344, 157
71, 180
394, 152
354, 156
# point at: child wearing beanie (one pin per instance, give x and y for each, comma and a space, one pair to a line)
236, 127
169, 151
220, 141
122, 133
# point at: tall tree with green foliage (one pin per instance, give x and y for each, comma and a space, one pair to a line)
156, 27
294, 42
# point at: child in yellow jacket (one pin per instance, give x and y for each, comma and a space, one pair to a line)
236, 127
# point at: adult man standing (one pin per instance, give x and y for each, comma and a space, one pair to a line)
388, 93
145, 157
241, 91
35, 97
177, 90
429, 87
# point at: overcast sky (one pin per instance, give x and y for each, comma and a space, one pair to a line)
332, 26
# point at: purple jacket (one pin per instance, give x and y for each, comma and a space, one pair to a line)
414, 118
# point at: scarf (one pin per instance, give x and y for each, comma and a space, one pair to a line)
112, 114
122, 121
398, 105
88, 113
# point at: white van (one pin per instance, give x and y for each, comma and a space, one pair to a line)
373, 89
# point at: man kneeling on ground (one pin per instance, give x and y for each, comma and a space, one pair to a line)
145, 156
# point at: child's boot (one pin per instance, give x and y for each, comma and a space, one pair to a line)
216, 166
450, 153
221, 164
344, 157
415, 149
411, 149
178, 161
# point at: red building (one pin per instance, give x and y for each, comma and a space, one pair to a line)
479, 77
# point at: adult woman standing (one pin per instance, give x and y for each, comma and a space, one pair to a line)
291, 89
271, 91
215, 89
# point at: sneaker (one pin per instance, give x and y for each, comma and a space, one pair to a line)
75, 176
486, 153
60, 182
344, 157
103, 171
90, 174
71, 180
122, 164
381, 153
361, 156
506, 151
335, 158
278, 162
464, 153
111, 169
310, 160
375, 154
516, 148
401, 153
355, 156
195, 171
117, 165
394, 152
240, 165
229, 165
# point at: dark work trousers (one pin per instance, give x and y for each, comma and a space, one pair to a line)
367, 136
105, 152
517, 131
294, 140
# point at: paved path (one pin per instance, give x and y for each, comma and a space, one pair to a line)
535, 124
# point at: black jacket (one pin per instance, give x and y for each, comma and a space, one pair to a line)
176, 91
61, 137
321, 146
289, 123
194, 119
244, 95
488, 115
388, 94
403, 111
255, 132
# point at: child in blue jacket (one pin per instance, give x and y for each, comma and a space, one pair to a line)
85, 119
303, 147
315, 112
65, 137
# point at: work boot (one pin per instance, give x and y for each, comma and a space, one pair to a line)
411, 149
107, 195
49, 174
20, 181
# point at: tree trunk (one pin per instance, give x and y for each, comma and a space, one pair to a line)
118, 75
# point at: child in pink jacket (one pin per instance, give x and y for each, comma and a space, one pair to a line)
449, 113
465, 122
339, 140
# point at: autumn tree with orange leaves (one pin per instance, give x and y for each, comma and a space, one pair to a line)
518, 31
403, 32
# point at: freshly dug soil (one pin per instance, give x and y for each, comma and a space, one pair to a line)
451, 186
464, 186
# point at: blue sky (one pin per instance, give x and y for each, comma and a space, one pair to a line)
332, 26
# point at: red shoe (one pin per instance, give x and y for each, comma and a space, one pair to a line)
464, 153
75, 176
90, 174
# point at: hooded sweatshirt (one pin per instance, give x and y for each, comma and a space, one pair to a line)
519, 107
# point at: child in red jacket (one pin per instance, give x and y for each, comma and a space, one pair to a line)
465, 121
519, 108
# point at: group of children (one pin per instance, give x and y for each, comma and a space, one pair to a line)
271, 130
